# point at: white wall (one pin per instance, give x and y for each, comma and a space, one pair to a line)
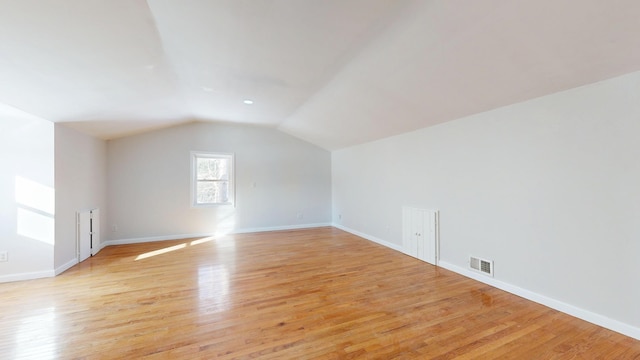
149, 182
549, 189
80, 175
27, 197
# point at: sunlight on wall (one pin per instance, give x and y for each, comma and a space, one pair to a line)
36, 209
226, 223
35, 338
36, 226
34, 195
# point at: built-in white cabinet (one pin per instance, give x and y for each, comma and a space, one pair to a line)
420, 233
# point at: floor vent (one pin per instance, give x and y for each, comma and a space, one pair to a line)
481, 265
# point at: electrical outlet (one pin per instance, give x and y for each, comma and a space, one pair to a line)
114, 228
300, 215
4, 256
339, 216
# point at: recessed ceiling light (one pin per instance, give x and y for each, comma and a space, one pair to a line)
248, 102
207, 89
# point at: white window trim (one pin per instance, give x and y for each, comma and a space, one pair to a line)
194, 180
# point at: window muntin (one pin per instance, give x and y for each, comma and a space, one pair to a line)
212, 179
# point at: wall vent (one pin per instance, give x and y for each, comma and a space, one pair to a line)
481, 265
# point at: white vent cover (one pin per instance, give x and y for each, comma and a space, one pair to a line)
481, 265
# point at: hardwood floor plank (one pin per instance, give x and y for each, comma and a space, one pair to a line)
305, 294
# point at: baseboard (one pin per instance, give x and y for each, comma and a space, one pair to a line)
198, 235
151, 239
60, 269
39, 274
280, 228
370, 238
583, 314
101, 246
27, 276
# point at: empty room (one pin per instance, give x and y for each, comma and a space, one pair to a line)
319, 179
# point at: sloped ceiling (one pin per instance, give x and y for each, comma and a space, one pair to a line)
333, 72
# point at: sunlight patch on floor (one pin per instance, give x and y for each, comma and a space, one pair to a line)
160, 251
175, 248
36, 336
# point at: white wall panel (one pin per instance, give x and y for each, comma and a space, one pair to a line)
278, 177
81, 172
27, 195
547, 189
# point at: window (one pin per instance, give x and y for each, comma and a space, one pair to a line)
211, 179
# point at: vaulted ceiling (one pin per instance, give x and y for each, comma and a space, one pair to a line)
332, 72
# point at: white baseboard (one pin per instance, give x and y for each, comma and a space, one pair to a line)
198, 235
569, 309
39, 274
370, 238
280, 228
151, 239
27, 276
60, 269
100, 246
580, 313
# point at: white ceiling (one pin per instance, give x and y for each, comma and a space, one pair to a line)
333, 72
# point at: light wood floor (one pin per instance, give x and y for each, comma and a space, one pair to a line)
305, 294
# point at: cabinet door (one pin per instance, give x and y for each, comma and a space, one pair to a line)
419, 218
83, 219
409, 238
427, 239
419, 233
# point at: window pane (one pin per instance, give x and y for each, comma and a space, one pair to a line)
212, 192
212, 169
212, 179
